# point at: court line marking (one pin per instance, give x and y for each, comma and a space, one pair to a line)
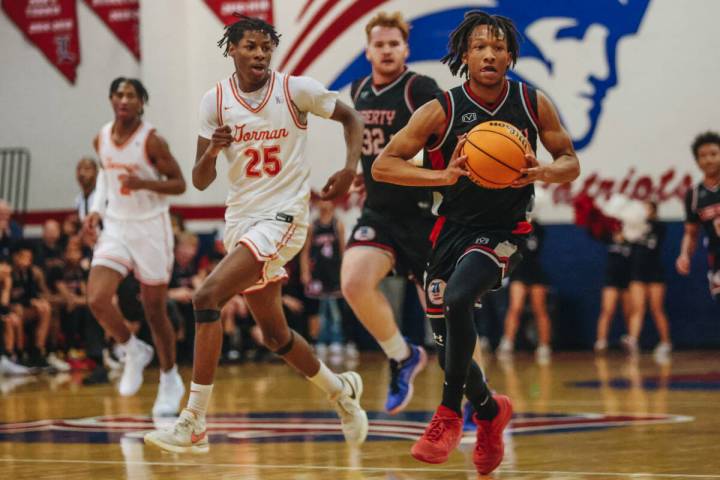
356, 469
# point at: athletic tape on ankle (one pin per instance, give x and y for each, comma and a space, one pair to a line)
207, 316
288, 346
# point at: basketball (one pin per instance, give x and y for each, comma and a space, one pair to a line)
496, 153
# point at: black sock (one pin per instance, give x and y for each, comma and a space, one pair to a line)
479, 394
485, 408
453, 389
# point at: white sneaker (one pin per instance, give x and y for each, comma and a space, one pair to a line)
351, 351
10, 368
110, 362
137, 356
57, 363
542, 354
336, 348
347, 404
188, 434
600, 346
484, 343
505, 348
630, 344
662, 352
170, 394
321, 350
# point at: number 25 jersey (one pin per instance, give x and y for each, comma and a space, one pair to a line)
268, 170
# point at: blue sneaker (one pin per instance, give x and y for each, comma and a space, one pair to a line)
468, 423
402, 375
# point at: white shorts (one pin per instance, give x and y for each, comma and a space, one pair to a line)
144, 246
273, 243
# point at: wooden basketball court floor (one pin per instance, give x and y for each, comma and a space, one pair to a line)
580, 417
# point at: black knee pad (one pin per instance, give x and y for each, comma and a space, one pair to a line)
207, 316
287, 347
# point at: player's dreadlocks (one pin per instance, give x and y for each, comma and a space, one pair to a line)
458, 44
234, 33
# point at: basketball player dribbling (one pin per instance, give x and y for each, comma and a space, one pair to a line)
480, 233
392, 234
258, 119
138, 173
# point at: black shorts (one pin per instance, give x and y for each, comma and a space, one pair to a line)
646, 267
617, 271
714, 274
529, 272
406, 239
453, 243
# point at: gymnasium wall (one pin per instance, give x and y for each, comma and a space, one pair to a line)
634, 81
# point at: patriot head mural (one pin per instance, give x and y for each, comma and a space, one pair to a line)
569, 49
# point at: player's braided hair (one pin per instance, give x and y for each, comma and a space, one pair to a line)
234, 32
137, 85
458, 43
703, 139
140, 89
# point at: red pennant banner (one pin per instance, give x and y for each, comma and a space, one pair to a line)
224, 9
123, 18
52, 26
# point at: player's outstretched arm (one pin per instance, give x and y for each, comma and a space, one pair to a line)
339, 182
557, 141
392, 165
204, 171
159, 154
687, 248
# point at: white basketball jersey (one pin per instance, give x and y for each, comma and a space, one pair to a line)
129, 158
268, 171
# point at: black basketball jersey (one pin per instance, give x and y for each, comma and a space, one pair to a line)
325, 257
465, 202
702, 205
385, 110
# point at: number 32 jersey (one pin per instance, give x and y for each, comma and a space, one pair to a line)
268, 171
386, 109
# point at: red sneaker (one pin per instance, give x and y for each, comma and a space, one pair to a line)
441, 437
489, 445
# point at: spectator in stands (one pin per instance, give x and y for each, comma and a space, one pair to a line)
80, 328
86, 173
12, 328
529, 278
49, 251
320, 275
28, 300
183, 282
10, 232
647, 281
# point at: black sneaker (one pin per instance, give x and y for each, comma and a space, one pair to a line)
98, 376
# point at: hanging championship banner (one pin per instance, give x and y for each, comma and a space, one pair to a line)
224, 9
51, 25
123, 18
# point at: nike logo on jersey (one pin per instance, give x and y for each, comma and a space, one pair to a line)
228, 108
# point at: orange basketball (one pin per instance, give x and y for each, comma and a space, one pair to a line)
496, 153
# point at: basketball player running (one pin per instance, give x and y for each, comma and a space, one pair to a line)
480, 231
702, 208
138, 173
393, 231
258, 119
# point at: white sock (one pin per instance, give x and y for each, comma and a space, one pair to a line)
199, 398
327, 380
395, 347
167, 376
